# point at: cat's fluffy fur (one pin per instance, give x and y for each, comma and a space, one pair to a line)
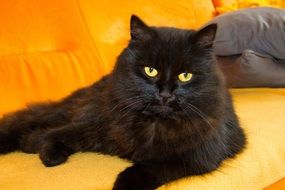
169, 129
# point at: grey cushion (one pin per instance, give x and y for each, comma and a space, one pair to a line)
259, 29
252, 69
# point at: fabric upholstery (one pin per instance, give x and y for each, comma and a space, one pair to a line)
250, 44
252, 69
108, 22
224, 6
262, 163
45, 52
280, 184
258, 29
49, 48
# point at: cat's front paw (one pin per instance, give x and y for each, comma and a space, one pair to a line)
133, 179
53, 154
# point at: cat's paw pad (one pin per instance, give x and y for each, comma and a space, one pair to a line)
53, 154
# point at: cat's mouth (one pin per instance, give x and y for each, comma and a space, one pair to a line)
162, 108
159, 110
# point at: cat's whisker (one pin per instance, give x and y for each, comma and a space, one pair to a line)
199, 113
131, 107
192, 124
125, 101
215, 129
147, 106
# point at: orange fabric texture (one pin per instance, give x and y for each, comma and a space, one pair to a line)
224, 6
108, 22
261, 113
45, 52
49, 48
279, 185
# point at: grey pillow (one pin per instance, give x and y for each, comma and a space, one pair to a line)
259, 29
252, 69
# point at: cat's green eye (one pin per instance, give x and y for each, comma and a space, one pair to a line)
151, 72
185, 77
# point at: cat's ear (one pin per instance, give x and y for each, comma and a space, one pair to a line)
139, 30
206, 36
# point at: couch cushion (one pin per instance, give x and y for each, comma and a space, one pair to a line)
109, 25
45, 52
224, 6
252, 69
261, 113
258, 29
280, 184
50, 48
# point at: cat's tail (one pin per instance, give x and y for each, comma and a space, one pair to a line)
15, 128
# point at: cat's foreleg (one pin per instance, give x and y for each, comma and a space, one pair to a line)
152, 174
57, 144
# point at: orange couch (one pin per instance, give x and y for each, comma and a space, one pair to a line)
50, 48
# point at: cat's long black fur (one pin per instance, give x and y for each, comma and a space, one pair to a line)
169, 129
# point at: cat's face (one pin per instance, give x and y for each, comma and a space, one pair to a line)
166, 72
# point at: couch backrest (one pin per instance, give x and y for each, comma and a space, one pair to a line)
49, 48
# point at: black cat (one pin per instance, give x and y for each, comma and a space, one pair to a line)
164, 107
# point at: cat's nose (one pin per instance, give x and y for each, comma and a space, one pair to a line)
165, 96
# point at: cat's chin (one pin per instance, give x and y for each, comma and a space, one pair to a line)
160, 111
